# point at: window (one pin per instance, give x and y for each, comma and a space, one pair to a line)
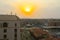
5, 24
15, 30
15, 39
5, 30
15, 35
5, 36
15, 24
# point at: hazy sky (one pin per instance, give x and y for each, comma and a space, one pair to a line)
45, 8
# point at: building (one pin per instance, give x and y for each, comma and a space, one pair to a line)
9, 27
33, 22
51, 25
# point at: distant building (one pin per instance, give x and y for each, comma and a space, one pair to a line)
33, 22
51, 25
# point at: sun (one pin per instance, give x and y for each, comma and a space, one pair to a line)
27, 9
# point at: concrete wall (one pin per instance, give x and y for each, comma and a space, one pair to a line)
10, 30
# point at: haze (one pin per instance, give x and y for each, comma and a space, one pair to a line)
45, 8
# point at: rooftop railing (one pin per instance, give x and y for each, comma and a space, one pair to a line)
51, 26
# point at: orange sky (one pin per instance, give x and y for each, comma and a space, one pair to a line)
44, 8
35, 4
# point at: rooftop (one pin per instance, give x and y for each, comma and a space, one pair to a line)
8, 17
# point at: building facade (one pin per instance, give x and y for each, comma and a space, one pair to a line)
9, 27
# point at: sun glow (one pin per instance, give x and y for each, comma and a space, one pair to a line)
27, 10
